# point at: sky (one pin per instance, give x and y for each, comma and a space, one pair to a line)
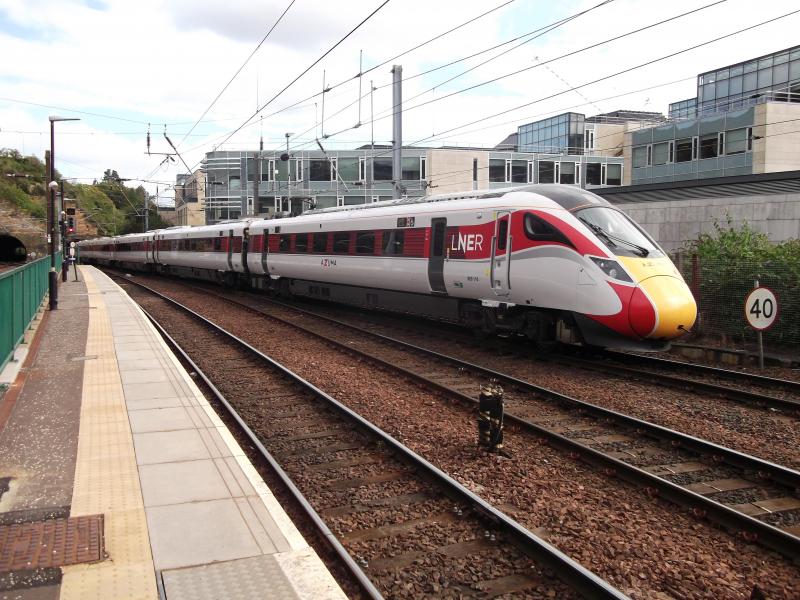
128, 66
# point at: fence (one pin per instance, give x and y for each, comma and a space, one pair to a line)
720, 288
21, 292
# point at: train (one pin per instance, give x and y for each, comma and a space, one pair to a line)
549, 262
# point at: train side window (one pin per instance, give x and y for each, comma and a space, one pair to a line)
285, 241
539, 230
217, 244
502, 234
301, 242
393, 241
341, 242
320, 242
365, 242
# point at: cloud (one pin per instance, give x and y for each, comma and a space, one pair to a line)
163, 61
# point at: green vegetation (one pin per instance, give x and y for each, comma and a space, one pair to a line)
728, 263
114, 208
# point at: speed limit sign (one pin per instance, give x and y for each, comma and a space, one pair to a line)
761, 308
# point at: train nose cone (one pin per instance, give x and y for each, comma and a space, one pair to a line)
662, 307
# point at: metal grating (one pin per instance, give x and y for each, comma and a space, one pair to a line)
51, 543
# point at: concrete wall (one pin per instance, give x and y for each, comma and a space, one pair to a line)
451, 170
673, 223
778, 124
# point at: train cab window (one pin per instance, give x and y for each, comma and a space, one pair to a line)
502, 234
539, 230
285, 243
320, 242
301, 242
393, 242
341, 242
365, 242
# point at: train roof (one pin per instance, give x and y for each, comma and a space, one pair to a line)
567, 197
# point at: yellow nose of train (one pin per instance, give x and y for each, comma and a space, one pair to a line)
662, 306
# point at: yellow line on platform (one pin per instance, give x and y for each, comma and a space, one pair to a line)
106, 476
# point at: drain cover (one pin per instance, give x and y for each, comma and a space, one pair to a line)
52, 543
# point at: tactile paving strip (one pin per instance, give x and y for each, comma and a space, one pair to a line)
256, 577
52, 543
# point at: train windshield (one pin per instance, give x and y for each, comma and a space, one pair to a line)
621, 235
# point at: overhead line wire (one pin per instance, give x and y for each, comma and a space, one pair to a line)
610, 76
239, 70
306, 70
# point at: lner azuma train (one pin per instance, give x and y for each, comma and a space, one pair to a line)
548, 262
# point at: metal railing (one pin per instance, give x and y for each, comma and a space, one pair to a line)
21, 293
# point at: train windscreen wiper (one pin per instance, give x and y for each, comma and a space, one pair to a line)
603, 233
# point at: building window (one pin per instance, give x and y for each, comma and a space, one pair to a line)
382, 169
640, 156
593, 174
683, 150
661, 153
547, 171
349, 168
423, 168
298, 169
519, 171
749, 139
568, 173
334, 169
736, 141
234, 183
613, 174
497, 170
588, 139
319, 170
721, 143
267, 170
339, 200
530, 171
474, 169
709, 145
362, 168
411, 169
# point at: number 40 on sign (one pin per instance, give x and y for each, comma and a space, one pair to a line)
761, 308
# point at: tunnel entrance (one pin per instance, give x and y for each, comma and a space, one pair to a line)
11, 249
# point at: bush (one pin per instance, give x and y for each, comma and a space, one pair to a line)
729, 262
22, 200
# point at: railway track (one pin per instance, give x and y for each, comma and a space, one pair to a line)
749, 496
402, 526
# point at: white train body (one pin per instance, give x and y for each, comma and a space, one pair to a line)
521, 259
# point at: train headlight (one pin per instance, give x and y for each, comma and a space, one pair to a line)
612, 268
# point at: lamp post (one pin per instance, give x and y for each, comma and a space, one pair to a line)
51, 214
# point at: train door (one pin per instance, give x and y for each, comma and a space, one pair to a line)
230, 250
245, 249
436, 256
264, 249
501, 254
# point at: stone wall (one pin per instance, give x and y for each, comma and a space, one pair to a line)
672, 223
29, 230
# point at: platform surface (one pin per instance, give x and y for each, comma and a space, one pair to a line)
183, 507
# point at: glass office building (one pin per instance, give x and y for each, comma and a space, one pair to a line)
562, 134
775, 76
683, 109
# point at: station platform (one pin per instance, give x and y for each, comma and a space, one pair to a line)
118, 479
